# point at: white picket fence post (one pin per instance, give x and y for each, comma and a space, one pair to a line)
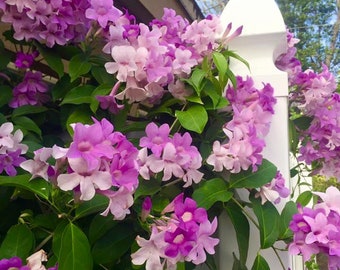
262, 40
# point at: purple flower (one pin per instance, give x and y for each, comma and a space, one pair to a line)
12, 263
179, 242
9, 161
156, 138
102, 11
24, 60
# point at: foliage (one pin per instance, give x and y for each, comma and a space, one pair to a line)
121, 143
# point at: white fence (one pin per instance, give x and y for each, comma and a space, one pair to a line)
262, 40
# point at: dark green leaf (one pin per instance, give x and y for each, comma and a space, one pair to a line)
147, 187
241, 226
27, 124
62, 86
305, 197
211, 191
79, 95
19, 242
96, 204
28, 109
53, 60
6, 94
75, 251
286, 216
101, 76
57, 236
237, 265
5, 56
78, 66
113, 244
37, 186
260, 263
99, 226
268, 218
195, 118
249, 179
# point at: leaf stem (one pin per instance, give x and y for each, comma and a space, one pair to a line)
279, 258
246, 213
43, 242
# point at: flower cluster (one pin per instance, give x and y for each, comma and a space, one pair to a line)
173, 156
252, 113
150, 60
11, 149
52, 22
184, 234
31, 91
274, 190
315, 96
34, 262
98, 160
317, 230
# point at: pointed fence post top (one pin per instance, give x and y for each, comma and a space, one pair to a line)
262, 40
257, 16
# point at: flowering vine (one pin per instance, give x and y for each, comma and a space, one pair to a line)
126, 155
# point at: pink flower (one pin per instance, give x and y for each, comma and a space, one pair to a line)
150, 250
156, 138
183, 61
90, 144
125, 63
204, 242
103, 11
119, 202
87, 180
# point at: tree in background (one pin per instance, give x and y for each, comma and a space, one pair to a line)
316, 23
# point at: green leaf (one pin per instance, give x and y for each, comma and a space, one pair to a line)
27, 124
237, 265
53, 60
268, 218
101, 76
57, 236
195, 118
99, 226
75, 251
113, 244
236, 56
19, 242
196, 79
96, 204
78, 66
79, 95
28, 109
304, 198
5, 56
260, 263
221, 62
286, 216
249, 179
62, 86
211, 191
6, 94
147, 187
37, 186
241, 226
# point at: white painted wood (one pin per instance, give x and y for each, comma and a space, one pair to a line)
262, 40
